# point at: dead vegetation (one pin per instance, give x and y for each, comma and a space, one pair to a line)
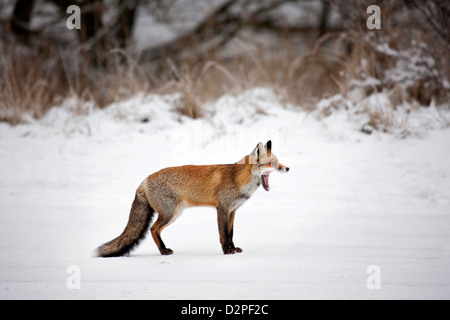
408, 57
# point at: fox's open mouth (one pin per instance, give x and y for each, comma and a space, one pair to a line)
265, 180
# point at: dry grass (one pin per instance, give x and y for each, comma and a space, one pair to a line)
32, 82
26, 89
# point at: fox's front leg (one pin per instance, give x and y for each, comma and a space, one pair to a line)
230, 231
225, 232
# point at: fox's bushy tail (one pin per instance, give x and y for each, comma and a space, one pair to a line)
140, 217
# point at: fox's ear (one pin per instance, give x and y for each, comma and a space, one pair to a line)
259, 150
268, 147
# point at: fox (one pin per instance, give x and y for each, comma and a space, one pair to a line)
167, 192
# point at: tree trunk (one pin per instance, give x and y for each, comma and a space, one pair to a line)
126, 22
21, 19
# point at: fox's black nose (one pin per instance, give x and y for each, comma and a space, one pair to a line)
287, 169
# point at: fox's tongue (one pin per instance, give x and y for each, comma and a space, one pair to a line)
265, 181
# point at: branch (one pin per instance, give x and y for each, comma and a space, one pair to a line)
215, 30
203, 32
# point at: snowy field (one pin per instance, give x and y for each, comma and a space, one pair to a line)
351, 203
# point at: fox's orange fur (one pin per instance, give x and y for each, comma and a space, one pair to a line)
200, 185
168, 191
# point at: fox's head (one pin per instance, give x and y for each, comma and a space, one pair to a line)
263, 162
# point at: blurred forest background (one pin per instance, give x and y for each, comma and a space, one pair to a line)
306, 50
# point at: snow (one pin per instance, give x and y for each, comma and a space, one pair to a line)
350, 201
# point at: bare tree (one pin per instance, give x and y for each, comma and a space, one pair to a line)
222, 24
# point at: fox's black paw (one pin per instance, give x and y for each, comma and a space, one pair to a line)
166, 251
232, 250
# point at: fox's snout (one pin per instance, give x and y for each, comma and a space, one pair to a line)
283, 168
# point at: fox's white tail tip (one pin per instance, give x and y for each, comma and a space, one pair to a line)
96, 253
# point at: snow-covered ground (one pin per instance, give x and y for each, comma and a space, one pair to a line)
355, 211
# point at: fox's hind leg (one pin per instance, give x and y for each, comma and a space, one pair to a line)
163, 221
156, 234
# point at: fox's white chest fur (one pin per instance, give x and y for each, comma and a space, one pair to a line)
247, 191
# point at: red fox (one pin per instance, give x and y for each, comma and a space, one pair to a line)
168, 191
